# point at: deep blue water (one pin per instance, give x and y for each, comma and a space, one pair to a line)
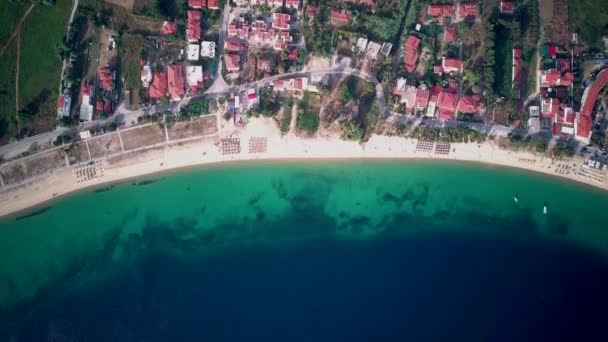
432, 287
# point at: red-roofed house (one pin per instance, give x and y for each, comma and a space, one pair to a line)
176, 82
312, 11
293, 54
449, 35
158, 87
507, 7
232, 62
106, 79
280, 21
553, 77
583, 128
584, 118
469, 104
411, 53
549, 107
447, 102
340, 16
441, 12
197, 3
422, 98
213, 4
467, 10
232, 45
193, 32
292, 3
99, 106
451, 65
367, 2
168, 28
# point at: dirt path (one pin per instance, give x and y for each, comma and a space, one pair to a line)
17, 29
17, 80
294, 118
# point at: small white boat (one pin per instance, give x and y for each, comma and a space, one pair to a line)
515, 199
545, 209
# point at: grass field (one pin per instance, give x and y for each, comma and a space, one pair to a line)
10, 13
39, 66
591, 18
7, 93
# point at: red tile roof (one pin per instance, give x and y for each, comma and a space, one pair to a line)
449, 34
592, 92
446, 114
312, 11
99, 106
507, 7
60, 101
293, 54
280, 21
583, 128
298, 83
232, 45
193, 32
411, 53
467, 10
441, 11
106, 79
232, 62
168, 28
197, 3
553, 77
469, 104
585, 121
452, 64
213, 4
86, 89
422, 98
292, 3
340, 15
447, 101
176, 82
158, 87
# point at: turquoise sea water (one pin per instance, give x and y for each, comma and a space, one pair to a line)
195, 249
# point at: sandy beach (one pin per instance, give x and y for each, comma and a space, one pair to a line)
290, 147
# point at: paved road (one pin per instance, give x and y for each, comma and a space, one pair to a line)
129, 116
219, 84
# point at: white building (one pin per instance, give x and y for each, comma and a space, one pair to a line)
193, 52
361, 45
208, 49
194, 76
146, 76
86, 109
